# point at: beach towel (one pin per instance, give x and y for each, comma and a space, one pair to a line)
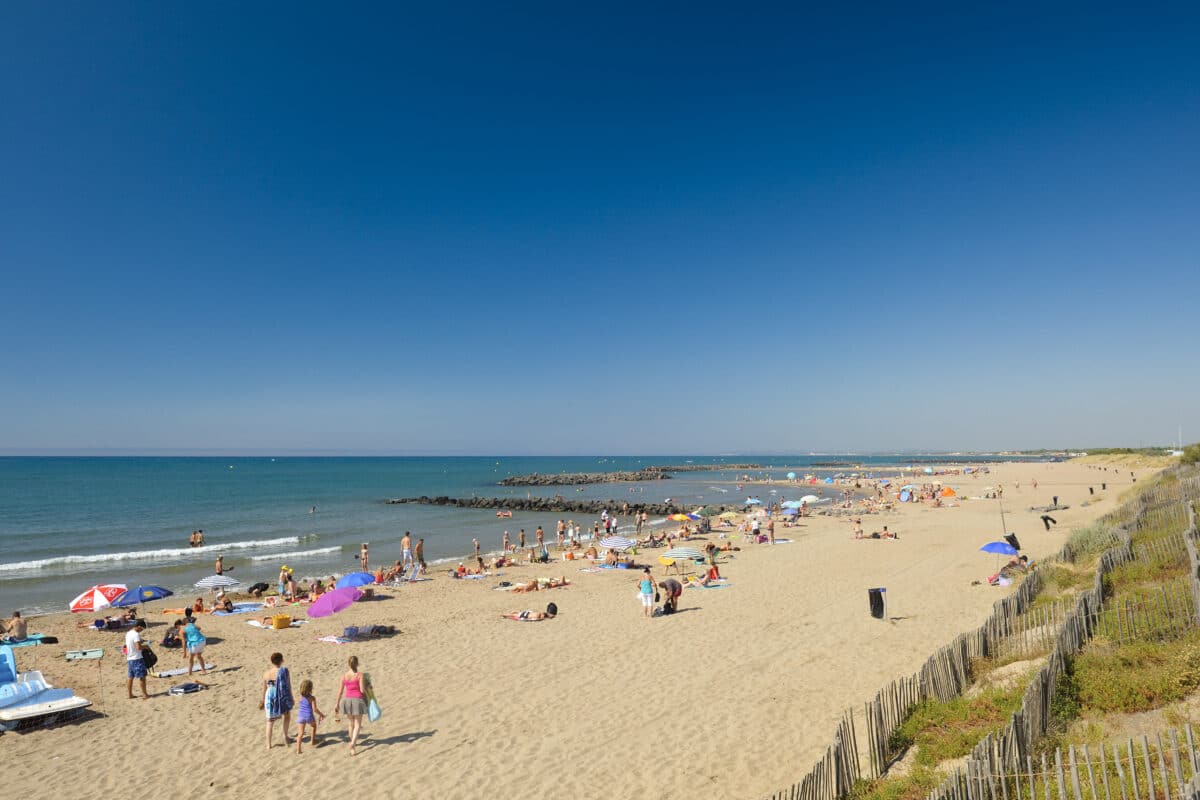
589, 569
33, 640
239, 608
334, 639
296, 623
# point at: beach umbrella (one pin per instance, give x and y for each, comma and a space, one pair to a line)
792, 503
999, 548
617, 543
884, 482
947, 492
678, 518
216, 582
333, 602
791, 512
694, 517
905, 496
97, 597
684, 553
728, 515
829, 480
791, 476
140, 594
810, 499
355, 579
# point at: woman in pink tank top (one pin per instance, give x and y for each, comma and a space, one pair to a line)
352, 700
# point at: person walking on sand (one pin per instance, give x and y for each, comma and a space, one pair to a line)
194, 641
351, 700
406, 555
307, 714
646, 593
277, 698
134, 663
420, 555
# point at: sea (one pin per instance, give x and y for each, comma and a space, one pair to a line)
68, 523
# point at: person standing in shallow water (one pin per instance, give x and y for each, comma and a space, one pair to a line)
365, 558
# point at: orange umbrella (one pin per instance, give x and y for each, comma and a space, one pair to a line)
947, 492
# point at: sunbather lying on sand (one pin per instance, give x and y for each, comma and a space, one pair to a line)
532, 616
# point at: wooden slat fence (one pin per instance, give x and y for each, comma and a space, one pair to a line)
1010, 631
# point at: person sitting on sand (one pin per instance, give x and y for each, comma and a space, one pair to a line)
590, 553
222, 603
198, 606
529, 616
16, 630
610, 557
479, 568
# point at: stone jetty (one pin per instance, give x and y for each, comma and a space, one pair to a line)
552, 504
654, 473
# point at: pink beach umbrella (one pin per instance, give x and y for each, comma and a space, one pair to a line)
333, 602
97, 597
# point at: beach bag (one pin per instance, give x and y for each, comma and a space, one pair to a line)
149, 658
184, 688
374, 712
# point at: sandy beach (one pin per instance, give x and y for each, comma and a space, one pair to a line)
734, 697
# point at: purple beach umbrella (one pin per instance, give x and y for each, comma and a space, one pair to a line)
332, 602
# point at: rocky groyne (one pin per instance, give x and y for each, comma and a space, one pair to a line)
551, 504
577, 478
656, 473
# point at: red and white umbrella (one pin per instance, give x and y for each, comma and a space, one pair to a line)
97, 597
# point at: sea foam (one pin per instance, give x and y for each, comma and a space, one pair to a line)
144, 555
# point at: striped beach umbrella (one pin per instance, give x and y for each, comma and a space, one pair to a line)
678, 517
617, 543
97, 597
216, 582
684, 553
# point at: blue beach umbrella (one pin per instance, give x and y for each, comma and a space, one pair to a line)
829, 480
140, 594
355, 579
905, 496
790, 512
1000, 548
791, 476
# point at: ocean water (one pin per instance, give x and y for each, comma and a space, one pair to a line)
69, 523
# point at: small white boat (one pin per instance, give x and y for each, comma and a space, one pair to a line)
27, 699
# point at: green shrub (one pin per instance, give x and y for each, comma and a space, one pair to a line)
916, 785
1137, 676
1191, 454
948, 730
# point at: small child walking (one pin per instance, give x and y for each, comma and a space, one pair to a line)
308, 713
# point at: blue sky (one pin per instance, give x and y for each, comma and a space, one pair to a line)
642, 228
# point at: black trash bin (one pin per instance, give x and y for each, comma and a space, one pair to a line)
878, 602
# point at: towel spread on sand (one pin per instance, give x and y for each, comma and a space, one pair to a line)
260, 624
334, 639
239, 608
